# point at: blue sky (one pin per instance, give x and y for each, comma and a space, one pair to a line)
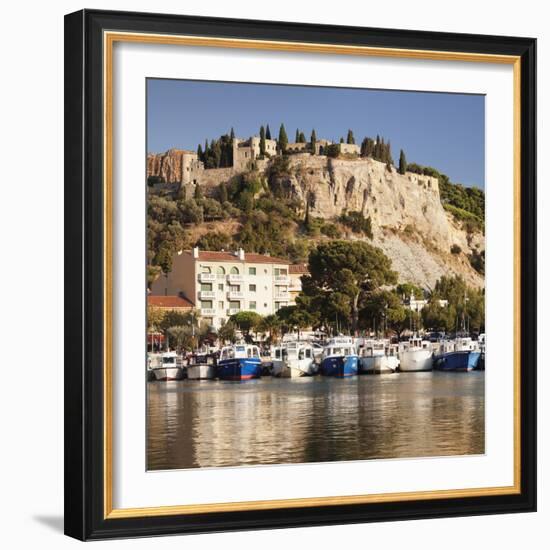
446, 131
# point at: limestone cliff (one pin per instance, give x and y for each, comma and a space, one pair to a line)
167, 165
408, 220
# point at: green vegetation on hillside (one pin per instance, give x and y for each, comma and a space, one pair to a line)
466, 204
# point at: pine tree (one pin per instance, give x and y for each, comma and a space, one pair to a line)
267, 132
313, 141
283, 139
402, 162
262, 140
350, 139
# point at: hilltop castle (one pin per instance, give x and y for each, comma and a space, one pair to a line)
183, 167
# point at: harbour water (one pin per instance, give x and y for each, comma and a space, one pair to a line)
194, 424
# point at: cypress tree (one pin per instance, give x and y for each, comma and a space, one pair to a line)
313, 141
297, 138
402, 162
301, 138
223, 193
199, 152
198, 192
350, 139
267, 132
262, 140
232, 134
341, 140
283, 139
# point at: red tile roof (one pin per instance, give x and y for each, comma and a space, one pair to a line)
212, 256
169, 302
298, 269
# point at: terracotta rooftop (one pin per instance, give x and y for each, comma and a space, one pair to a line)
212, 256
169, 302
298, 268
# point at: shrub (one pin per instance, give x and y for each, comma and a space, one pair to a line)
455, 249
331, 230
357, 223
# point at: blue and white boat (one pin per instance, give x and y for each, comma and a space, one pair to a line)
463, 355
340, 358
239, 362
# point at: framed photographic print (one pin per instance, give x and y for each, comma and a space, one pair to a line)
300, 274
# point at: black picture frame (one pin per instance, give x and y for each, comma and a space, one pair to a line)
84, 281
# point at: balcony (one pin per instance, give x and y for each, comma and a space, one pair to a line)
207, 311
235, 295
235, 278
233, 310
207, 277
206, 294
281, 279
282, 296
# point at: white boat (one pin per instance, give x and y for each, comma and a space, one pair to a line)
169, 369
378, 357
415, 355
293, 359
202, 366
201, 372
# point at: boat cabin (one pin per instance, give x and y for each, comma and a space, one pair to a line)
240, 351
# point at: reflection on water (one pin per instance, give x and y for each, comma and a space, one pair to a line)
194, 424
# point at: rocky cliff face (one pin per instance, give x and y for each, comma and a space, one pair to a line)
167, 165
408, 220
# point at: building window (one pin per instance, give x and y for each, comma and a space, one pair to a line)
234, 288
234, 271
220, 287
206, 287
235, 305
280, 271
252, 271
265, 305
206, 304
252, 288
220, 305
221, 272
252, 305
277, 306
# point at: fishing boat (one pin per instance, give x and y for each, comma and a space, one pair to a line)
340, 358
169, 368
202, 366
293, 359
415, 355
377, 357
239, 362
154, 360
464, 355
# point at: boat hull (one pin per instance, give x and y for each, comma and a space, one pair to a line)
201, 372
379, 364
167, 373
239, 369
415, 360
460, 361
293, 369
340, 366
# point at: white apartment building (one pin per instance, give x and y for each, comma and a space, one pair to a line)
221, 284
